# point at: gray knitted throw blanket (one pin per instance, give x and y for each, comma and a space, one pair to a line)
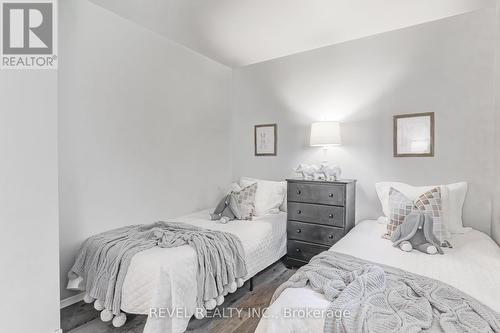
384, 299
104, 259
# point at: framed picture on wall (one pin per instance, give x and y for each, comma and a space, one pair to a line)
265, 140
414, 135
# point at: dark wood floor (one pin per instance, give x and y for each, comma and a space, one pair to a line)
265, 284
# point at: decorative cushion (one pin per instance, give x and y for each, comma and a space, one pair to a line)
243, 202
452, 199
430, 202
399, 208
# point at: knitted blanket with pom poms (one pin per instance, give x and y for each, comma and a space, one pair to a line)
103, 261
375, 298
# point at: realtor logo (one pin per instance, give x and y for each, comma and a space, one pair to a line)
28, 34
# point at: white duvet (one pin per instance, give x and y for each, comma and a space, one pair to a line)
472, 265
166, 277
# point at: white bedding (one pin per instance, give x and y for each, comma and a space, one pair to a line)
472, 265
166, 278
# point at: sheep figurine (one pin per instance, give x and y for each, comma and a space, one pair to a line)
308, 171
329, 173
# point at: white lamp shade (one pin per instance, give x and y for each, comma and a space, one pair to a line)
325, 133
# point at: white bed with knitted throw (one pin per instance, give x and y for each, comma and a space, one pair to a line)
472, 266
165, 278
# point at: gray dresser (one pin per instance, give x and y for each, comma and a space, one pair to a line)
319, 214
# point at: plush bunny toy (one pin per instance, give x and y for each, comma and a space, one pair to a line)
223, 211
416, 233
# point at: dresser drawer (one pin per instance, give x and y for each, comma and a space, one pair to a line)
328, 215
316, 193
303, 251
314, 233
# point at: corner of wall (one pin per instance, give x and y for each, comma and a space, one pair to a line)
495, 223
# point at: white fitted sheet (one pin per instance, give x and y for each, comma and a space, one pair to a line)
472, 265
166, 277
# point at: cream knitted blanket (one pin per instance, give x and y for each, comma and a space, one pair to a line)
103, 260
378, 298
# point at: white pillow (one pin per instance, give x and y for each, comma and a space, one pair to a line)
283, 206
457, 192
269, 197
452, 196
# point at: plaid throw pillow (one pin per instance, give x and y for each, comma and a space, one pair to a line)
243, 202
400, 207
430, 202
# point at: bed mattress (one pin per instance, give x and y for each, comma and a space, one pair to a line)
472, 266
166, 277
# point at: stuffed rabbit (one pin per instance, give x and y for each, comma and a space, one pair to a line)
223, 211
416, 233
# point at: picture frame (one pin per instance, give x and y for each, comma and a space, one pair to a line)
414, 135
265, 140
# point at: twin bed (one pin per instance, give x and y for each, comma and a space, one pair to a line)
472, 266
165, 278
161, 279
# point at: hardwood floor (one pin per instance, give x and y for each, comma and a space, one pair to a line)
265, 283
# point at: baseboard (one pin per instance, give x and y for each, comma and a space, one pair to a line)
71, 300
58, 331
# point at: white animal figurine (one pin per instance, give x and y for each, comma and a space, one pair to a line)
330, 172
308, 171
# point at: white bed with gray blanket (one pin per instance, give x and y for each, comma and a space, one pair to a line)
166, 278
471, 266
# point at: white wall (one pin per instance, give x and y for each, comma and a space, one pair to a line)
444, 67
28, 202
496, 221
144, 127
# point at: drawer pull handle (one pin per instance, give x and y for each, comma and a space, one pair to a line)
298, 250
330, 195
299, 211
299, 231
330, 236
330, 216
299, 192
